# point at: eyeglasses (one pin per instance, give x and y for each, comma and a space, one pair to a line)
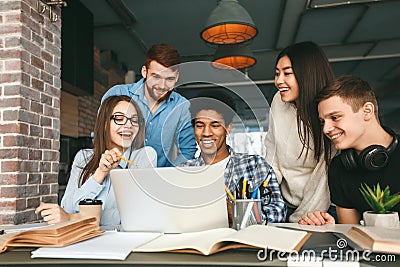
120, 119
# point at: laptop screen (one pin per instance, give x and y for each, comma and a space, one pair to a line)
171, 199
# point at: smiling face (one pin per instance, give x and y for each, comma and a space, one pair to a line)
122, 136
159, 80
344, 127
210, 131
285, 80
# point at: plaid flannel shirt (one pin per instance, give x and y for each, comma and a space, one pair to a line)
256, 170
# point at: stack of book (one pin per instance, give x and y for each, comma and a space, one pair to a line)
57, 235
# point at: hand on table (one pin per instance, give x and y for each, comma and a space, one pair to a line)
317, 217
53, 213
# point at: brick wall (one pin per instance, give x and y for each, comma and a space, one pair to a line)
30, 62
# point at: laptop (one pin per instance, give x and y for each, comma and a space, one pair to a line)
171, 199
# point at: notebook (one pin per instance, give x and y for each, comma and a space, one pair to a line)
170, 199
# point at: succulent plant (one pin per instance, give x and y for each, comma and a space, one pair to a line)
379, 200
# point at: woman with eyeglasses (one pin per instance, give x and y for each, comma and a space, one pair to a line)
119, 133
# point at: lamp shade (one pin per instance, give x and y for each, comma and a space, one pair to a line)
233, 56
229, 23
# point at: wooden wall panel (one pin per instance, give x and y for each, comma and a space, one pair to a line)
69, 115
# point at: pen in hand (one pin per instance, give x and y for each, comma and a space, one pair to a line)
127, 160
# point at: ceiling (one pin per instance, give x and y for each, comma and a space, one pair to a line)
360, 38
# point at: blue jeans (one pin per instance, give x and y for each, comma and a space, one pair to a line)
331, 211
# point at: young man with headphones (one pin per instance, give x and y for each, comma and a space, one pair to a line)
369, 153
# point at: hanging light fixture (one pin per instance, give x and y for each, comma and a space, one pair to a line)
229, 23
233, 56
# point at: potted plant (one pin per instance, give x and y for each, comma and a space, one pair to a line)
381, 201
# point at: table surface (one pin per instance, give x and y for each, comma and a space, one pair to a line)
227, 258
238, 257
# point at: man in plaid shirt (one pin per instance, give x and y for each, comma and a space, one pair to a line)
212, 120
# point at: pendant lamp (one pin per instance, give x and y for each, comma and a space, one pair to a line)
229, 23
233, 56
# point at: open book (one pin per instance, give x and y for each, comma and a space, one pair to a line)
377, 239
220, 239
57, 235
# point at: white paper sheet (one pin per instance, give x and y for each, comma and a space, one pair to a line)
109, 246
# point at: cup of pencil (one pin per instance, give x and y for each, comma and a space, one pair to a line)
246, 212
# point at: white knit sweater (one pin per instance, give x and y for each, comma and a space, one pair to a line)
304, 182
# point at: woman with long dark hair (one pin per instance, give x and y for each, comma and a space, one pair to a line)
294, 143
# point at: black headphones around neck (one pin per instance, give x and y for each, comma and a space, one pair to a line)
372, 158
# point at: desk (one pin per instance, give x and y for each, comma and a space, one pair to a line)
226, 258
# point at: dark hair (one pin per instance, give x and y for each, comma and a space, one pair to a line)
102, 133
219, 101
353, 90
312, 71
164, 54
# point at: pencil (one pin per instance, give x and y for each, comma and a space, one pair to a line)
244, 188
266, 182
127, 160
229, 193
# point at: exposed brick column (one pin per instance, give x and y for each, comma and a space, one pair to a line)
30, 62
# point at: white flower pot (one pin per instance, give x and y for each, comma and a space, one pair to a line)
390, 219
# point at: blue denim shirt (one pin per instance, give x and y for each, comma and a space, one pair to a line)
170, 125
